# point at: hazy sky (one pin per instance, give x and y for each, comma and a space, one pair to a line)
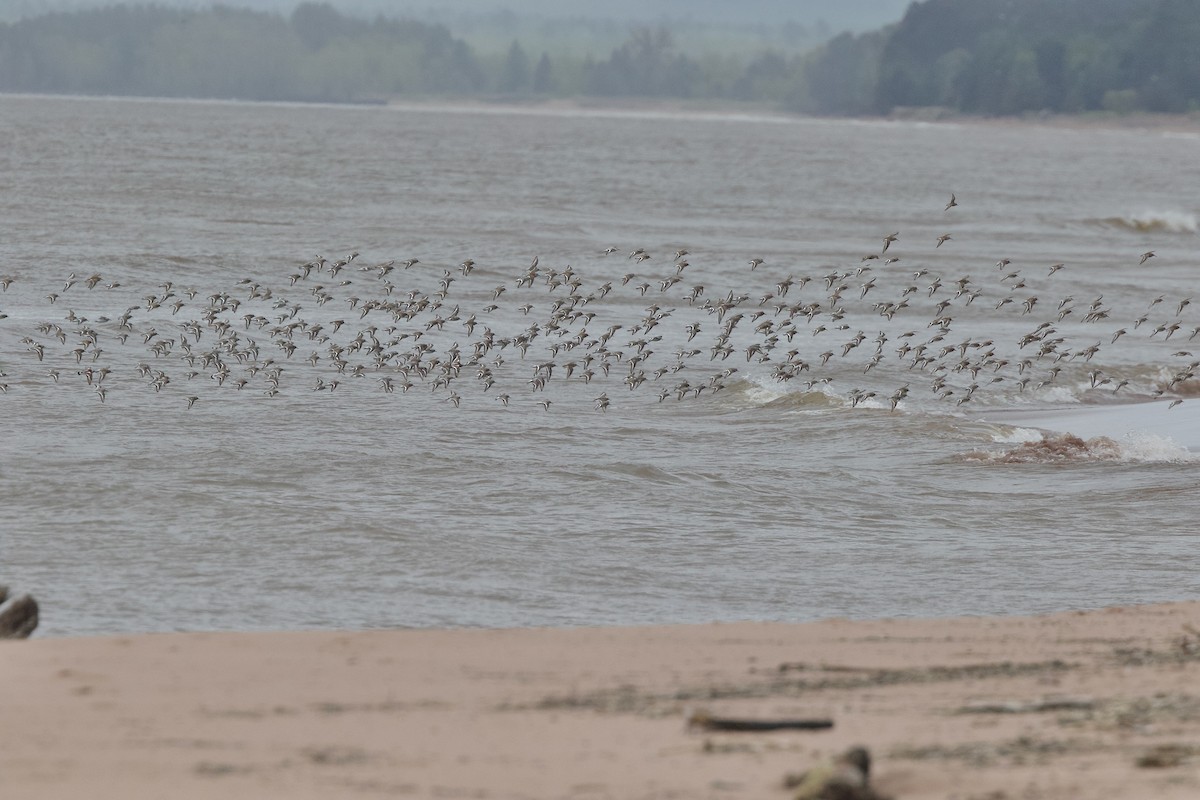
838, 14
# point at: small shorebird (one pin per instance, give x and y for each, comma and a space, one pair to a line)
953, 202
941, 240
1146, 256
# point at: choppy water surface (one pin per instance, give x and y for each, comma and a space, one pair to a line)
671, 451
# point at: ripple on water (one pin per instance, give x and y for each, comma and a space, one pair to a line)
765, 500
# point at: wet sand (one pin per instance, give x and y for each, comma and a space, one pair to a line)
1075, 705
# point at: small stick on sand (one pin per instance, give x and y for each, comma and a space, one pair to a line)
705, 721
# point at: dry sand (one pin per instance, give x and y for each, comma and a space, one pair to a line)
1100, 704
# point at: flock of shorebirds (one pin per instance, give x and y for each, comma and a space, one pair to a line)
631, 322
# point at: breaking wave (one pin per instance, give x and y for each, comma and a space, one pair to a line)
820, 396
1068, 448
1153, 222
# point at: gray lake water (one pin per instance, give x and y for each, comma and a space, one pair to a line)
755, 470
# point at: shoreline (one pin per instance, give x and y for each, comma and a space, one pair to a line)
1067, 705
717, 107
700, 107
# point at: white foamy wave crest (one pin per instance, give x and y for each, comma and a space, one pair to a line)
1017, 436
1058, 394
757, 391
1151, 448
761, 395
1156, 220
875, 402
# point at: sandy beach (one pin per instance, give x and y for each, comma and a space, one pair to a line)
1073, 705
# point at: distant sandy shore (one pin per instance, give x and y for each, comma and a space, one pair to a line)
715, 107
1177, 123
1100, 704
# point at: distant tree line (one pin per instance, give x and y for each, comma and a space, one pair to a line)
1018, 56
977, 56
318, 54
314, 54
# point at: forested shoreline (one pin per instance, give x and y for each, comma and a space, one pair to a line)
994, 57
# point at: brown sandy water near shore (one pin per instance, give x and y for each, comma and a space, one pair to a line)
1073, 705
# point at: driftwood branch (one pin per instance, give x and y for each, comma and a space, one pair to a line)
704, 721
